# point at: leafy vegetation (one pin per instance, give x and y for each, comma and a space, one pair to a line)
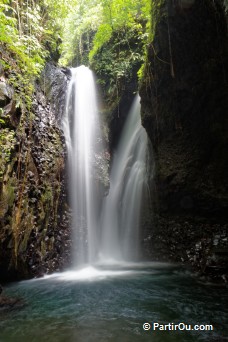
7, 141
29, 32
92, 24
116, 63
117, 58
121, 15
111, 37
81, 25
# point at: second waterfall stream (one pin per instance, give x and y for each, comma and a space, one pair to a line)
105, 229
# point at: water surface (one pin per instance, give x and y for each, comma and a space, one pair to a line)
112, 303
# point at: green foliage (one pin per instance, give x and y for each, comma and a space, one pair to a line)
102, 36
7, 143
121, 15
111, 36
119, 45
155, 13
81, 26
117, 61
29, 31
21, 51
92, 23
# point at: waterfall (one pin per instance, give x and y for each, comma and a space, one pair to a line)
108, 232
121, 213
84, 141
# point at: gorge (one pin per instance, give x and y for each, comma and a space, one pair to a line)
140, 179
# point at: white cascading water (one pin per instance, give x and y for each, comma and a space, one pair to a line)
108, 233
121, 212
83, 139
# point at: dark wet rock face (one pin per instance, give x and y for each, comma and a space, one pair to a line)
6, 92
34, 213
184, 110
54, 85
10, 113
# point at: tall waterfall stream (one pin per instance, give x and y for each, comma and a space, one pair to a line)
98, 301
121, 211
84, 142
109, 232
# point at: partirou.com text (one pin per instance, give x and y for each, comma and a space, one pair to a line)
177, 327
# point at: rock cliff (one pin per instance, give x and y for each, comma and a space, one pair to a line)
184, 110
34, 214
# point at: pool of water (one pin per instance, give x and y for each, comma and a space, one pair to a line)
112, 303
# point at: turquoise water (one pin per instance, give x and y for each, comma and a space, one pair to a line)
103, 304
